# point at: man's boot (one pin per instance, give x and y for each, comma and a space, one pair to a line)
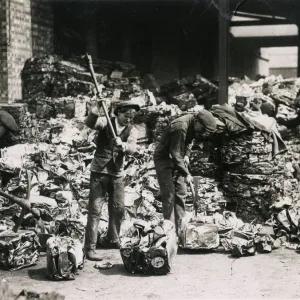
92, 255
107, 244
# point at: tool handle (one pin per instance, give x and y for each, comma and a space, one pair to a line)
22, 214
194, 198
23, 203
194, 195
108, 120
91, 68
192, 190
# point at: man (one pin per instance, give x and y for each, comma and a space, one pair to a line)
7, 125
106, 173
171, 158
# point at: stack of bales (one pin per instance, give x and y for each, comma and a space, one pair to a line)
248, 174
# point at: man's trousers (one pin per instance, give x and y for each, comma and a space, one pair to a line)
100, 184
173, 191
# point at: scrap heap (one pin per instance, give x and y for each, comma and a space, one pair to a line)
280, 98
58, 148
190, 91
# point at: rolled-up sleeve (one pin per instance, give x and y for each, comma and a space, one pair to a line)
177, 151
131, 144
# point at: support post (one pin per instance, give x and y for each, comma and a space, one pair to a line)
223, 51
298, 66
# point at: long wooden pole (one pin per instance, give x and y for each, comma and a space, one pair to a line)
22, 202
91, 68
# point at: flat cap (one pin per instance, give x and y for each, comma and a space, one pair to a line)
207, 120
128, 103
8, 121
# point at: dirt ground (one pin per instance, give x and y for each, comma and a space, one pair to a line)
195, 275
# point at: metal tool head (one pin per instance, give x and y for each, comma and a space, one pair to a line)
88, 58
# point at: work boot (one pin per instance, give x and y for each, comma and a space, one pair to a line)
92, 255
106, 244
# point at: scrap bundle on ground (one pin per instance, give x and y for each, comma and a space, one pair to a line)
149, 249
18, 250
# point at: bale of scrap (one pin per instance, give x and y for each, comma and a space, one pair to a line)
189, 91
250, 190
157, 118
209, 193
286, 113
149, 249
37, 76
285, 91
65, 257
286, 166
199, 236
18, 249
107, 67
205, 159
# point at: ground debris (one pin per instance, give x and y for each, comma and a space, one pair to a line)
7, 294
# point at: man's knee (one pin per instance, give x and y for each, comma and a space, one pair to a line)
167, 194
95, 207
119, 209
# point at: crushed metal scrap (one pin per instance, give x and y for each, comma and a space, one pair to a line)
239, 170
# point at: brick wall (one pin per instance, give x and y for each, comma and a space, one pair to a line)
27, 30
20, 48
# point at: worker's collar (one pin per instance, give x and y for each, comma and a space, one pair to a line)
119, 128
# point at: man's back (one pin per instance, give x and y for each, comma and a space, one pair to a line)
182, 123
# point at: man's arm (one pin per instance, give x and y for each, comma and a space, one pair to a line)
130, 146
93, 121
177, 151
188, 148
187, 153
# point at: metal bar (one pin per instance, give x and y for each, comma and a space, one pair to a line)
259, 23
275, 41
258, 16
223, 52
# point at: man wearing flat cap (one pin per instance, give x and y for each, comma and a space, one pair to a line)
171, 158
106, 172
7, 125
